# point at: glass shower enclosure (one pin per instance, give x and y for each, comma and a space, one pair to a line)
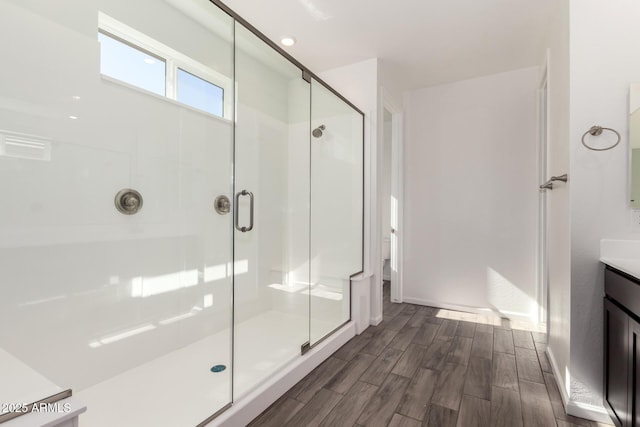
183, 208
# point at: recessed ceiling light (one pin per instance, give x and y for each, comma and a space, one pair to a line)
73, 117
288, 41
76, 97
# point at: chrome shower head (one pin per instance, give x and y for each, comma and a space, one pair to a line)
317, 132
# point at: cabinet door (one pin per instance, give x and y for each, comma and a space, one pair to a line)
616, 363
634, 364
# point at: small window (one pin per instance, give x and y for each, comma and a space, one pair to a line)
199, 93
132, 65
135, 58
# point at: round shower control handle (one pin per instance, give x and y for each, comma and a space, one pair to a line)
128, 201
222, 205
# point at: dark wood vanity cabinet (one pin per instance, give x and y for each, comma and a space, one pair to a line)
616, 363
622, 348
634, 398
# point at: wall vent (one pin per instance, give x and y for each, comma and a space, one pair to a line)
24, 146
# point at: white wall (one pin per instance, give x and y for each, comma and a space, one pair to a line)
471, 194
599, 192
391, 80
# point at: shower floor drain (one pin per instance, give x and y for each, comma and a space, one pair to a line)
218, 368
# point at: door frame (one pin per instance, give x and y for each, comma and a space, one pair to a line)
542, 271
397, 192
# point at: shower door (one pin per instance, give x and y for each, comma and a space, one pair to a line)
336, 209
271, 235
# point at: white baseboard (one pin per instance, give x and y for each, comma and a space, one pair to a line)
465, 308
557, 376
589, 412
444, 305
376, 320
572, 407
251, 405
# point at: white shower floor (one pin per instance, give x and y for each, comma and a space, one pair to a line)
179, 389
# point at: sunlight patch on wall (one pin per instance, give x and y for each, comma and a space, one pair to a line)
325, 292
208, 300
290, 288
221, 271
507, 298
241, 267
143, 287
215, 272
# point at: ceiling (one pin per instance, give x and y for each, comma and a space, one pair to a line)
422, 42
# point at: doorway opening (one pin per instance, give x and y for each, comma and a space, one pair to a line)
387, 229
389, 207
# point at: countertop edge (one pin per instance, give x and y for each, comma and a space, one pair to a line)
630, 266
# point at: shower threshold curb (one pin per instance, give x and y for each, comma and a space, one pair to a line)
51, 419
254, 403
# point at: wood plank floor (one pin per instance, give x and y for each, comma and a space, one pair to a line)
433, 368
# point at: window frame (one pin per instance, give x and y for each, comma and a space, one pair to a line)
173, 61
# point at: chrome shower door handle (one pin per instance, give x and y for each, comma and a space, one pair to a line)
250, 209
237, 216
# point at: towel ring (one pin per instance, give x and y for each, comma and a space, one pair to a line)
597, 131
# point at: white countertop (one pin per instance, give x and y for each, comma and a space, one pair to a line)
623, 255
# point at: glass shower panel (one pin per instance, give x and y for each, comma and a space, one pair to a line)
336, 208
271, 281
129, 309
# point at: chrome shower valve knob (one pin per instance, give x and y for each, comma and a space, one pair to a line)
128, 201
222, 205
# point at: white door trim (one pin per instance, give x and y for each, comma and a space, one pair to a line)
397, 195
543, 156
